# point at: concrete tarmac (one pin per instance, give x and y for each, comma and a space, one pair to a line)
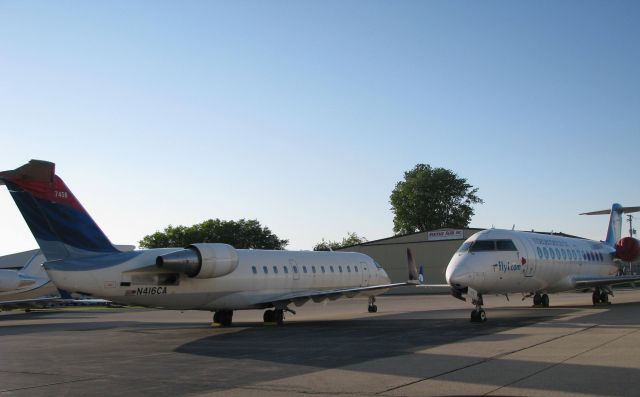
414, 346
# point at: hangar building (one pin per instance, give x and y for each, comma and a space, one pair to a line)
432, 250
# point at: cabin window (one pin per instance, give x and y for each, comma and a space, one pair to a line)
340, 268
322, 268
254, 270
275, 269
304, 269
348, 268
355, 268
553, 254
295, 269
483, 245
546, 253
286, 270
505, 245
601, 256
331, 268
313, 269
558, 254
539, 252
564, 254
265, 270
574, 256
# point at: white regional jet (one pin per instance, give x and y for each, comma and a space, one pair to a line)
28, 286
505, 262
204, 276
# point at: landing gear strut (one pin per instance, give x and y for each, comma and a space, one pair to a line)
541, 300
478, 315
223, 317
600, 295
372, 304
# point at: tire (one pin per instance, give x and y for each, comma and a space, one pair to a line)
537, 300
268, 316
482, 316
545, 300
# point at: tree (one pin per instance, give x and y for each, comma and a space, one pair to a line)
351, 239
240, 234
432, 198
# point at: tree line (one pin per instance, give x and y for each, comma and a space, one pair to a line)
426, 199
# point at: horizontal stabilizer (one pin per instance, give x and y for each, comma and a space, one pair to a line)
624, 210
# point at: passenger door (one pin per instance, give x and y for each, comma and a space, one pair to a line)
366, 276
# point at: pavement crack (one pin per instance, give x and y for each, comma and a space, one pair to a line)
49, 384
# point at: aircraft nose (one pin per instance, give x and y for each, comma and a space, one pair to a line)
457, 273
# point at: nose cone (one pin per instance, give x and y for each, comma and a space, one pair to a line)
384, 277
457, 273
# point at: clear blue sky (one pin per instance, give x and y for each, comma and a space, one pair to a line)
304, 115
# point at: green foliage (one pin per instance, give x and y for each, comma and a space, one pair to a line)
432, 198
240, 234
351, 239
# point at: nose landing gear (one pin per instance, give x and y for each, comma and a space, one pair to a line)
478, 314
372, 305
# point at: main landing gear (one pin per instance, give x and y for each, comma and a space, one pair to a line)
541, 300
372, 305
478, 315
223, 317
601, 295
275, 315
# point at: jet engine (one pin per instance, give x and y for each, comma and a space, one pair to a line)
203, 260
628, 249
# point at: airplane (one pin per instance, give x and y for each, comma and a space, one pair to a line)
504, 262
27, 286
203, 276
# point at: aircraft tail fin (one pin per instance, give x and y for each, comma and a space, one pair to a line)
415, 277
614, 230
57, 220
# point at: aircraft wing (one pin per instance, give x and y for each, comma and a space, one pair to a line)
586, 282
301, 297
28, 303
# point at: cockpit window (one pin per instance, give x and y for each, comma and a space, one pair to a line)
489, 245
377, 265
464, 247
483, 245
505, 245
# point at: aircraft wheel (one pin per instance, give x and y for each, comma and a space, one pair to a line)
482, 316
269, 316
595, 298
545, 300
216, 317
604, 297
226, 317
278, 316
537, 300
373, 309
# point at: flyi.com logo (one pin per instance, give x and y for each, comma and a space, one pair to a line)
505, 267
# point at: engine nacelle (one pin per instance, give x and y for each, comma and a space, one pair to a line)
628, 249
203, 260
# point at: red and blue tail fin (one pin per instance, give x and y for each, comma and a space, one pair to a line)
59, 223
